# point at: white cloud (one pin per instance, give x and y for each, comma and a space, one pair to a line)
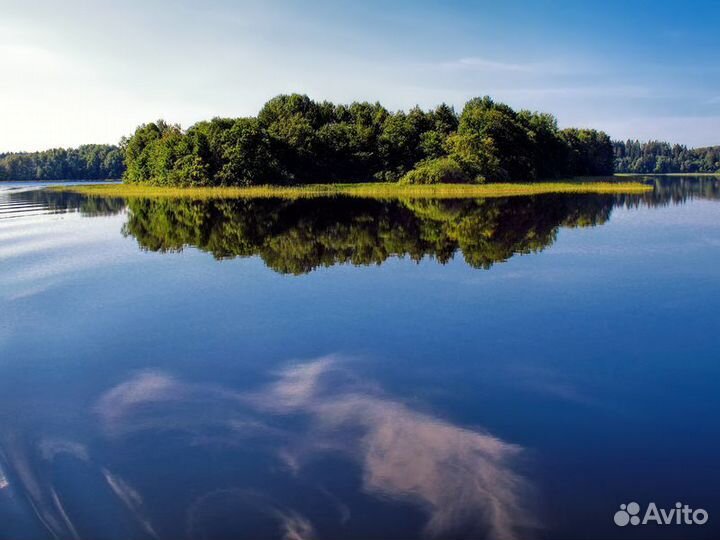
485, 64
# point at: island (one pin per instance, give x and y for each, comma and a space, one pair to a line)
297, 147
297, 141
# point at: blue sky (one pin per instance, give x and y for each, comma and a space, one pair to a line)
74, 72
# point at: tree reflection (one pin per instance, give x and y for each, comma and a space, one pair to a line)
299, 236
66, 201
674, 190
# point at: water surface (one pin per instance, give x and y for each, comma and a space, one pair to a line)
346, 368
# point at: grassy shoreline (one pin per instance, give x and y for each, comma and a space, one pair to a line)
368, 190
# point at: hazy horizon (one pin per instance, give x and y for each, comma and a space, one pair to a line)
82, 74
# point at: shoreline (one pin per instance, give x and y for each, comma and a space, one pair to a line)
365, 190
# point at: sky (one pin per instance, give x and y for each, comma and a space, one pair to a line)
76, 72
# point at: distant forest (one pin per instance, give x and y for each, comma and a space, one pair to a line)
295, 140
661, 157
87, 162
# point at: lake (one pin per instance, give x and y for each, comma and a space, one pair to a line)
359, 369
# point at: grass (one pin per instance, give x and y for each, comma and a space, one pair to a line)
369, 190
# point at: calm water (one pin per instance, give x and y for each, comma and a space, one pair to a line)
503, 368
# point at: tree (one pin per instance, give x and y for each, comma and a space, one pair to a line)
297, 140
87, 162
242, 151
590, 152
496, 128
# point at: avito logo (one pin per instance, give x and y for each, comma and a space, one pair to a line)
682, 514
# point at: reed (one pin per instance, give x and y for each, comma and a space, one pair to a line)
368, 190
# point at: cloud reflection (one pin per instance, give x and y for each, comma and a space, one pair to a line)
462, 478
34, 472
32, 483
130, 498
296, 527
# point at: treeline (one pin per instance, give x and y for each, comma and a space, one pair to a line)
295, 140
87, 162
661, 157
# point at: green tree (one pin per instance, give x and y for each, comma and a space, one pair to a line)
496, 128
297, 140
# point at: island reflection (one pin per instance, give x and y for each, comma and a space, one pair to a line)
298, 236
